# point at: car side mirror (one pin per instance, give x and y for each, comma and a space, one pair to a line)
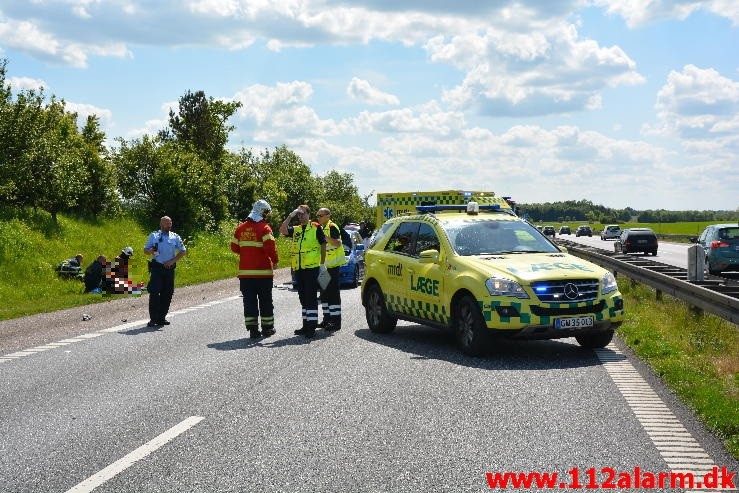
693, 239
429, 256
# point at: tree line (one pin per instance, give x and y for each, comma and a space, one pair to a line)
586, 211
184, 171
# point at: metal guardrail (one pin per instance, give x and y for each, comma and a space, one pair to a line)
720, 297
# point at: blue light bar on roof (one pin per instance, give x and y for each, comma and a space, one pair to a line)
454, 207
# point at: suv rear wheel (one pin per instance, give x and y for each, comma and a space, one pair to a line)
378, 319
470, 329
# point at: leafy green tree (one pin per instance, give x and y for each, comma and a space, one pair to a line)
341, 196
201, 123
97, 192
285, 181
239, 184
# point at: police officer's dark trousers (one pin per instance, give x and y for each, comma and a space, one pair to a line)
307, 280
331, 301
257, 293
161, 289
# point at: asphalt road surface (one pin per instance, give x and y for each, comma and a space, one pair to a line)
115, 406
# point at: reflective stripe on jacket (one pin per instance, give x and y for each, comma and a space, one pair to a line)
306, 250
255, 244
334, 255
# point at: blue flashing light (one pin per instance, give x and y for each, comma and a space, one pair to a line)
541, 289
455, 207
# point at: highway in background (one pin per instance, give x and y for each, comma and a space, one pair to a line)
668, 253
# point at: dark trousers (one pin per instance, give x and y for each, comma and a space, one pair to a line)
307, 280
331, 299
161, 289
257, 293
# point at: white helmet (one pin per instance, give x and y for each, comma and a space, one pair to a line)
259, 210
128, 251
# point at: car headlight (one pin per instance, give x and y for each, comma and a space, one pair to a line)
608, 283
505, 287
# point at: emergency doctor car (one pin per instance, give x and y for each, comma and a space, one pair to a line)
482, 271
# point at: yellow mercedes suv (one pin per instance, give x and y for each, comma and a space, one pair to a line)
482, 271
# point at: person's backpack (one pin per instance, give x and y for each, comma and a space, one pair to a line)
65, 270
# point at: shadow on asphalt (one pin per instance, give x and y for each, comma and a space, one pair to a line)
141, 330
270, 342
426, 343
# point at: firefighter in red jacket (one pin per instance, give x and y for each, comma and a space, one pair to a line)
255, 244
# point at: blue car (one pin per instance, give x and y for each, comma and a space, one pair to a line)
721, 244
352, 272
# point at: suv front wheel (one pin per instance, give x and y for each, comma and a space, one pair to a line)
596, 340
470, 328
378, 319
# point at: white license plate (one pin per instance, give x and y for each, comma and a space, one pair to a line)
573, 323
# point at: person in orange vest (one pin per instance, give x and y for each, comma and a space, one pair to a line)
335, 258
255, 244
308, 257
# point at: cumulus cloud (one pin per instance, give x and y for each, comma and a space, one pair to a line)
363, 91
26, 83
105, 116
698, 103
549, 71
639, 13
280, 111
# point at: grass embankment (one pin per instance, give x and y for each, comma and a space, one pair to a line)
32, 246
696, 356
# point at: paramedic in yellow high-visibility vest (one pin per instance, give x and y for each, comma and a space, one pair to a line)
335, 258
308, 258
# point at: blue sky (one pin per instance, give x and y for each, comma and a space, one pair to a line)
621, 102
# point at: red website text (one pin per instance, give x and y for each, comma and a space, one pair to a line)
607, 477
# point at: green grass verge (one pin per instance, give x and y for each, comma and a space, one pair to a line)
32, 246
696, 355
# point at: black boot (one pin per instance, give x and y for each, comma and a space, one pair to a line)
253, 332
268, 330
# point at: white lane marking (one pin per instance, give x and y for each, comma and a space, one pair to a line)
125, 462
677, 446
90, 335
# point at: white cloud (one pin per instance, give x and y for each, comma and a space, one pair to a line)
105, 116
279, 111
363, 91
550, 71
26, 83
698, 103
637, 13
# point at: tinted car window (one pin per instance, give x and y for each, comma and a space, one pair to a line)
403, 239
426, 240
728, 233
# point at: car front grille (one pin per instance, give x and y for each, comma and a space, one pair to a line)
542, 311
567, 291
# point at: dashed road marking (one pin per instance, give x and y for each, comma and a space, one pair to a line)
675, 443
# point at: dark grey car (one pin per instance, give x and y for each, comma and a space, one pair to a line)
637, 240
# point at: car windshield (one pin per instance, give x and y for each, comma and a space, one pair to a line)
485, 237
